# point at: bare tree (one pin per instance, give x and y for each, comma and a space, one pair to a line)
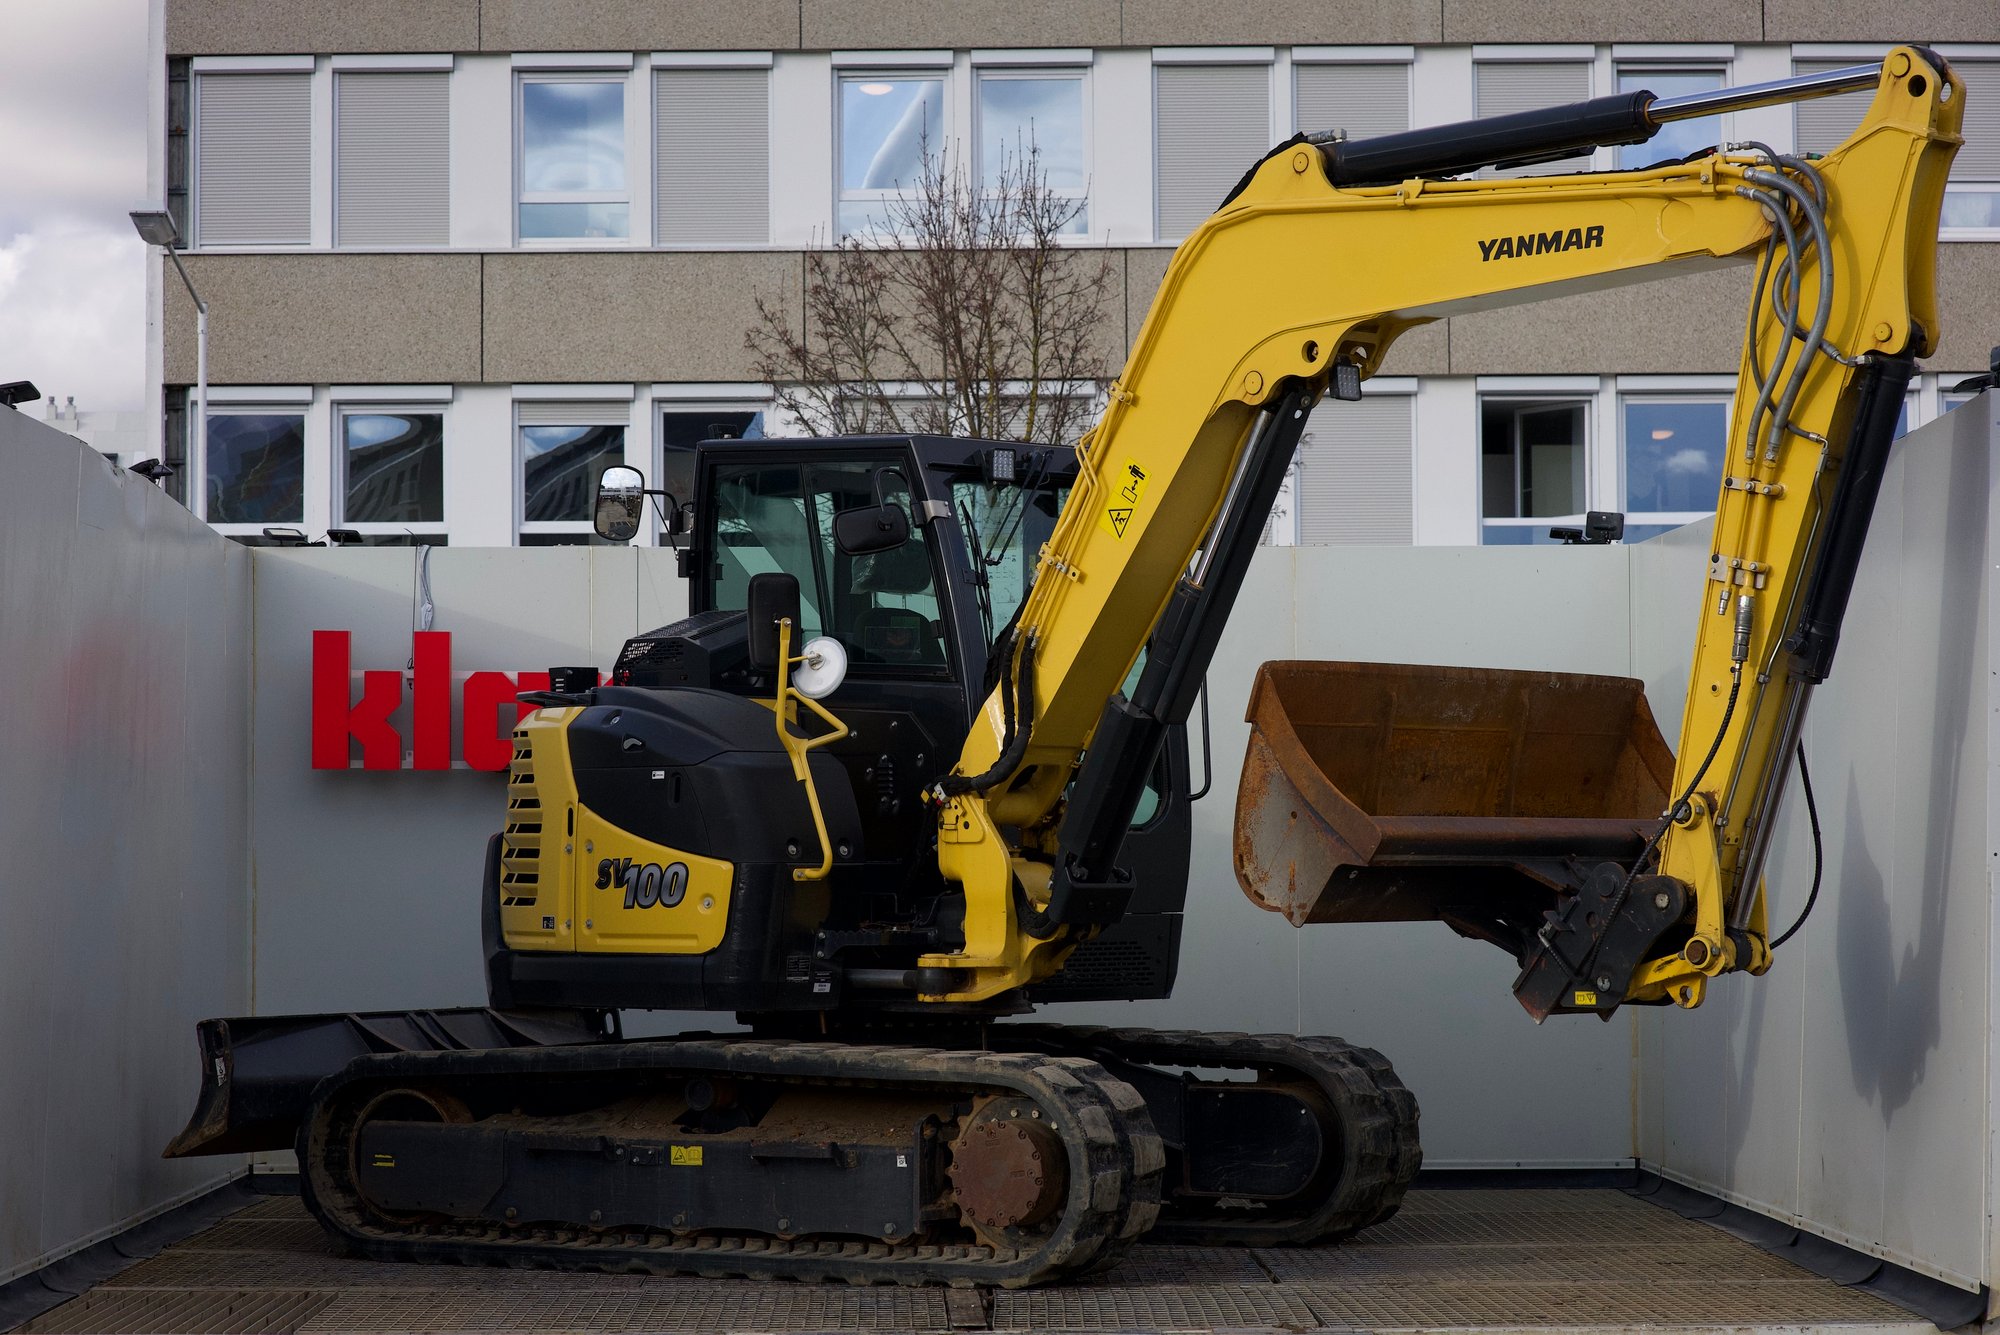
965, 315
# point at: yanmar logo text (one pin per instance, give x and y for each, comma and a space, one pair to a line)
1541, 243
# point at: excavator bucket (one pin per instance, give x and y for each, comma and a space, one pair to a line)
1378, 792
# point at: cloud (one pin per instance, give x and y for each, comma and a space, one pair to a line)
72, 312
73, 98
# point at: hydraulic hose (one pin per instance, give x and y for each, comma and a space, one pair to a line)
1016, 730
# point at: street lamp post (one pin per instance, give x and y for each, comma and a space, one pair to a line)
156, 227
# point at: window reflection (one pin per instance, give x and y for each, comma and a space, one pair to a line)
255, 469
887, 126
559, 468
1673, 454
573, 136
395, 467
573, 159
1038, 117
1676, 139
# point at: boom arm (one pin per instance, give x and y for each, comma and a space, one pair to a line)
1296, 284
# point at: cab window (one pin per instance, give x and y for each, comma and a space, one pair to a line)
1006, 529
882, 606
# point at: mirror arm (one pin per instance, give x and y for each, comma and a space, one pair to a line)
670, 518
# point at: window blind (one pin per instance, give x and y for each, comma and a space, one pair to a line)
1212, 122
1364, 100
1822, 123
574, 412
712, 176
1979, 157
253, 159
1355, 472
1503, 86
392, 183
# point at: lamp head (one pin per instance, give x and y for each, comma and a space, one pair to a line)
156, 227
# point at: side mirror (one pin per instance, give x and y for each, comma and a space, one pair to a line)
621, 503
773, 598
872, 528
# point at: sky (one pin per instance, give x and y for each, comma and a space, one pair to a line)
72, 164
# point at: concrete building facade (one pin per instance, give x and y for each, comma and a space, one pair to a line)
459, 253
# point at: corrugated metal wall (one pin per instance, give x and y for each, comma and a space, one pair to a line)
1848, 1090
367, 881
123, 896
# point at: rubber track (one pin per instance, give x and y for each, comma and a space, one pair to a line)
1380, 1148
1103, 1122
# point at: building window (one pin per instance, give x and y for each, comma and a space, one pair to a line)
253, 159
1354, 472
889, 125
1361, 100
1504, 86
1030, 117
572, 158
563, 447
1674, 450
1531, 467
684, 426
255, 469
392, 464
711, 156
391, 154
1210, 123
1676, 139
1972, 198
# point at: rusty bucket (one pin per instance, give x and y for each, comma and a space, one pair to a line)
1376, 792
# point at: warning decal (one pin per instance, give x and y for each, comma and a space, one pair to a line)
1128, 485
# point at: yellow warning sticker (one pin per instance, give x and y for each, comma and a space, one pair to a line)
684, 1156
1586, 998
384, 1160
1127, 487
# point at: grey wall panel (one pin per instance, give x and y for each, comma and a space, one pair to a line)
1666, 325
630, 317
1847, 1090
638, 25
280, 27
373, 901
1968, 294
122, 813
1195, 23
320, 319
1495, 1088
400, 852
1573, 20
1863, 21
865, 24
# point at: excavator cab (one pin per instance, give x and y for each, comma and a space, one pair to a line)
912, 555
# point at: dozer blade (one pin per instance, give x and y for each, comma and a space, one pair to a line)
1376, 792
258, 1071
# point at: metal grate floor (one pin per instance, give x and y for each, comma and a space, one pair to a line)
1516, 1260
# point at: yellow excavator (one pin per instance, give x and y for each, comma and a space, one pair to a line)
915, 763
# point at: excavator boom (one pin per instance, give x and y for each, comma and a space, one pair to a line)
1297, 287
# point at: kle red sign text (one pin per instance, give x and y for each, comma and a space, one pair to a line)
339, 719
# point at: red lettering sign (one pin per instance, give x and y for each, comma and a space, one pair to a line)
341, 721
